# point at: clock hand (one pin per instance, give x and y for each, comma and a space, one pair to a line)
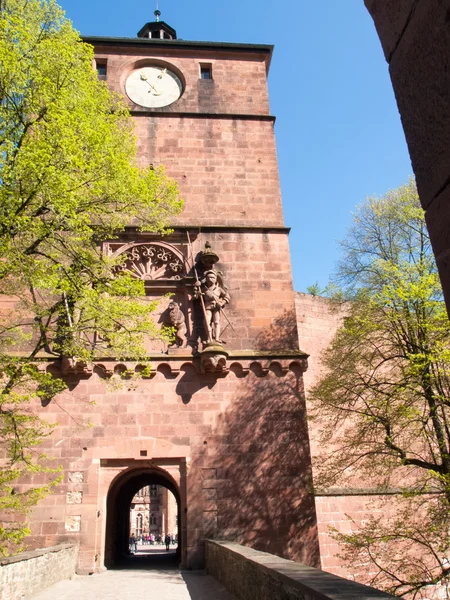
153, 90
160, 76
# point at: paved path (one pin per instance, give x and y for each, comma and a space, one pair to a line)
143, 577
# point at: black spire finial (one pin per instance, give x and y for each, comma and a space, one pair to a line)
157, 30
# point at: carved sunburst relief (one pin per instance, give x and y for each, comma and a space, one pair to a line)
151, 262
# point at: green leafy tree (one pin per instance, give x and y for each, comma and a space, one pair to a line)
314, 289
383, 405
69, 179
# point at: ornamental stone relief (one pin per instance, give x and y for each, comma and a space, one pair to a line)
152, 262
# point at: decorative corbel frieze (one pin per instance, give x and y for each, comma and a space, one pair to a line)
213, 359
75, 366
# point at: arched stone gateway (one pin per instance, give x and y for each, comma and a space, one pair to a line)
121, 492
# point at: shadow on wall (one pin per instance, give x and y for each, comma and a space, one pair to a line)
281, 335
257, 489
190, 383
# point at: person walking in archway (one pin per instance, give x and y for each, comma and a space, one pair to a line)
167, 541
133, 544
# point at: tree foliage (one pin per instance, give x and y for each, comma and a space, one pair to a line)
69, 179
383, 404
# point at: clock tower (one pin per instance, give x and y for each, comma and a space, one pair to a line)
221, 420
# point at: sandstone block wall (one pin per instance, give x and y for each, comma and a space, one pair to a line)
253, 575
226, 168
346, 513
218, 139
25, 575
317, 324
238, 441
231, 444
415, 36
239, 72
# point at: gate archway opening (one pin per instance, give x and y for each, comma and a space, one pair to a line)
123, 521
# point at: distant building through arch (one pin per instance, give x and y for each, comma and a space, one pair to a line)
129, 489
153, 511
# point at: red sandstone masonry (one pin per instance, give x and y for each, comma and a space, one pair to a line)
216, 429
258, 297
238, 85
317, 323
226, 167
231, 181
256, 268
234, 444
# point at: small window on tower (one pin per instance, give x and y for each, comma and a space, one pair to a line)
101, 68
205, 71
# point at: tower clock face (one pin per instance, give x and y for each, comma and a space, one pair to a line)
153, 87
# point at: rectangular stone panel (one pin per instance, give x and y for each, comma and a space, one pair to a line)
73, 523
74, 497
76, 477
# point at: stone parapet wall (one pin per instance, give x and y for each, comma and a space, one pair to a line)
253, 575
25, 575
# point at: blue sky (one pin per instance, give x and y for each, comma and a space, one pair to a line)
338, 131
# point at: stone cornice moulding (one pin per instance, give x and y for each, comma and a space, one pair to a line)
145, 112
171, 367
178, 234
373, 491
